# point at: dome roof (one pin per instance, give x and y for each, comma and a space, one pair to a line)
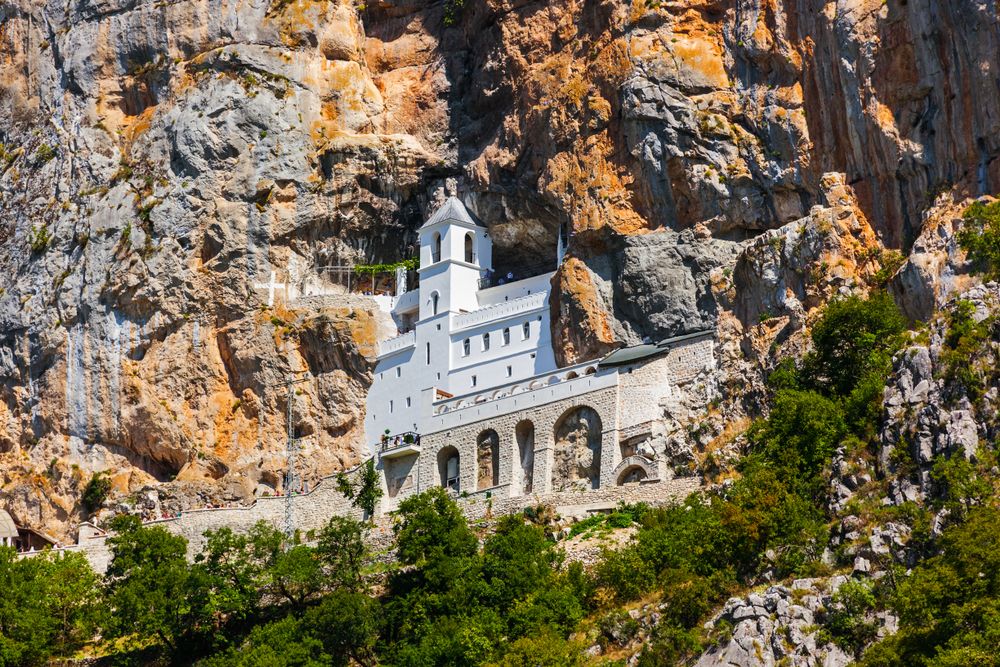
452, 210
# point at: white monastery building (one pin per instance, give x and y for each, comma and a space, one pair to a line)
469, 396
459, 334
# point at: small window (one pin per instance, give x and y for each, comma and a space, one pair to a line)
434, 303
436, 248
510, 371
470, 249
399, 371
506, 336
486, 342
427, 350
466, 347
526, 331
408, 403
390, 407
473, 380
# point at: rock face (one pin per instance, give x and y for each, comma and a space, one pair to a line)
161, 160
942, 398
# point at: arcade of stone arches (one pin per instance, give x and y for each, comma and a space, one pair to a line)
576, 458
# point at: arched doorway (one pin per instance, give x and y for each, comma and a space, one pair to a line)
577, 456
449, 467
524, 434
488, 458
632, 475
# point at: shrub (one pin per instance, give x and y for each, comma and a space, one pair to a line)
853, 338
39, 239
980, 236
848, 621
45, 153
96, 491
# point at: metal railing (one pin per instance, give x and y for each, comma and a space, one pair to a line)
390, 442
489, 278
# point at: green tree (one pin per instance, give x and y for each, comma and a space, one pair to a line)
347, 624
96, 491
949, 607
282, 643
342, 550
853, 339
153, 591
367, 492
979, 236
238, 569
431, 528
49, 608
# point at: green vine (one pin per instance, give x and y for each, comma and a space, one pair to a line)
372, 269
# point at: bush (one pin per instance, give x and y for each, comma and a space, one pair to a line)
980, 237
853, 339
45, 153
848, 621
38, 239
96, 491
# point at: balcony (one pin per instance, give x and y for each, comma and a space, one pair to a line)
397, 446
397, 344
500, 310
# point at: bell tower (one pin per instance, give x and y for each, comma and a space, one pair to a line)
455, 251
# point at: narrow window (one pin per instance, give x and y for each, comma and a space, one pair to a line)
510, 371
436, 248
470, 253
526, 331
473, 380
408, 401
466, 347
506, 336
427, 350
486, 342
399, 371
390, 407
434, 303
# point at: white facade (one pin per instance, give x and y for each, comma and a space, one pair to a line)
456, 338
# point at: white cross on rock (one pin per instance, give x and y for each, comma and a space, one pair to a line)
270, 286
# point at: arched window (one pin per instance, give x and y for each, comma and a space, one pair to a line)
486, 342
488, 459
436, 248
434, 303
506, 336
470, 249
466, 347
448, 467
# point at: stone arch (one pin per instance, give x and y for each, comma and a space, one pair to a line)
488, 459
524, 437
449, 467
577, 454
635, 469
553, 379
591, 370
572, 375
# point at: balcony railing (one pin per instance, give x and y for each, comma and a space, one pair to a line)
489, 278
390, 442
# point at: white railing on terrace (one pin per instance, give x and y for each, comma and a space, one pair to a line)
533, 392
398, 343
558, 376
506, 309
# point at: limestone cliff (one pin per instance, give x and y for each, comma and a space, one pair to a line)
161, 159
